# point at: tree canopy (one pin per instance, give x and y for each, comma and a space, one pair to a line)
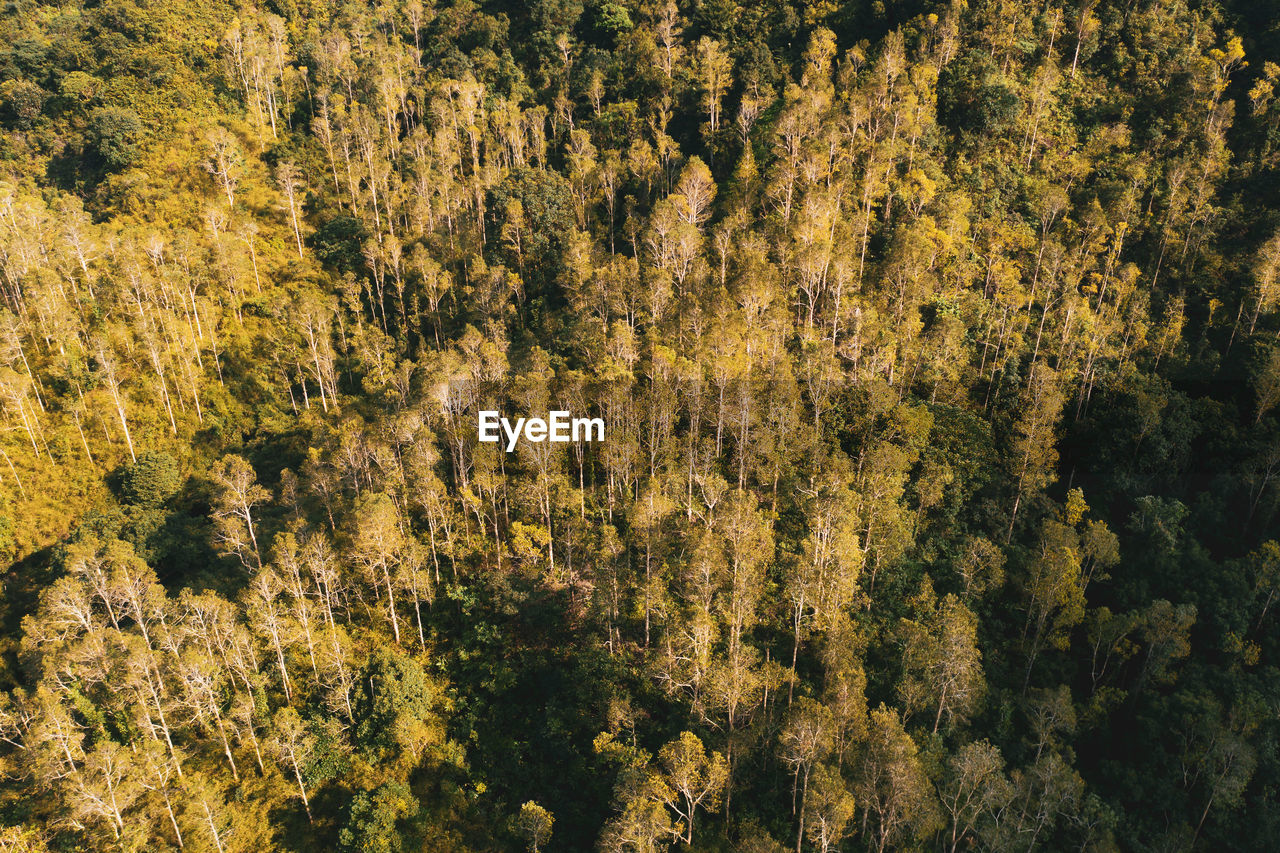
937, 345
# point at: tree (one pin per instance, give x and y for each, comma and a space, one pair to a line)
270, 619
845, 685
1033, 444
975, 794
378, 545
151, 480
1054, 595
694, 192
209, 810
832, 809
105, 789
1268, 384
805, 740
941, 660
825, 578
371, 825
108, 365
23, 100
236, 496
226, 162
395, 706
23, 840
535, 825
1049, 789
713, 68
114, 132
695, 778
1166, 631
644, 823
981, 568
295, 746
648, 514
290, 181
892, 789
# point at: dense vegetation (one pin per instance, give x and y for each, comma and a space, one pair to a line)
938, 345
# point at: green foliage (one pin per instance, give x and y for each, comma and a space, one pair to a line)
330, 758
533, 207
395, 704
80, 88
22, 101
973, 97
612, 17
372, 821
151, 480
114, 133
337, 242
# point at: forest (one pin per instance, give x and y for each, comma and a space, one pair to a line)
937, 348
